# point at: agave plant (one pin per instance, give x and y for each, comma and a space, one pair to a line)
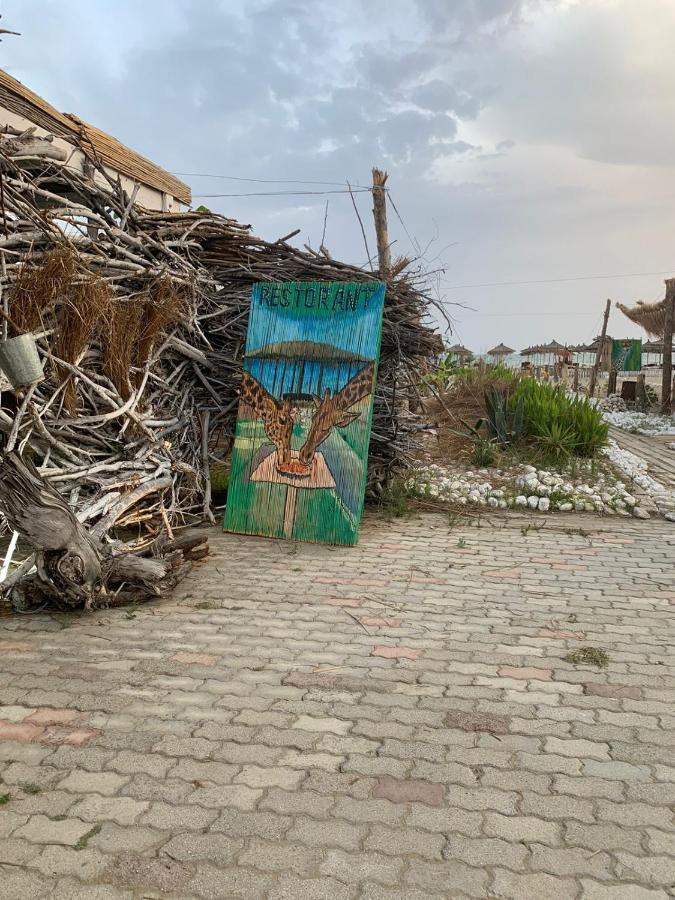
504, 424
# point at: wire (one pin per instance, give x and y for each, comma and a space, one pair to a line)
284, 193
263, 180
555, 280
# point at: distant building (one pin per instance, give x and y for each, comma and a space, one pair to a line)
22, 110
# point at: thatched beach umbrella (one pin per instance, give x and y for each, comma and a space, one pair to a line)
501, 351
457, 351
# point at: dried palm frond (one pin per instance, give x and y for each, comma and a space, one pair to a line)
650, 316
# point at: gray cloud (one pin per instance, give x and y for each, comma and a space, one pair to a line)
574, 97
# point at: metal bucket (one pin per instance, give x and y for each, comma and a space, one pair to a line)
20, 362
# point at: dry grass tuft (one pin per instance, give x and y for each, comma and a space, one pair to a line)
119, 342
39, 287
163, 306
82, 307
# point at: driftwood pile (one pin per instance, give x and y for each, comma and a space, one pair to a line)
140, 319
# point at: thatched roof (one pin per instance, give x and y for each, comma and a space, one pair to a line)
19, 99
501, 350
649, 316
459, 350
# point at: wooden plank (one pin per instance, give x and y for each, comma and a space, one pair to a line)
303, 429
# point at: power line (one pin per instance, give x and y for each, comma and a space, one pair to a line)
282, 193
263, 180
556, 280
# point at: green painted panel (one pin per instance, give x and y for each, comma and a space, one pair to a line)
303, 429
627, 355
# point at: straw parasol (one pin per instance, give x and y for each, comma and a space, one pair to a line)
459, 351
501, 350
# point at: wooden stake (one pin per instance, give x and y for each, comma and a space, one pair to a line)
669, 315
380, 216
601, 347
641, 391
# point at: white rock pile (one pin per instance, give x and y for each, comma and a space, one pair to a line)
635, 468
589, 490
640, 423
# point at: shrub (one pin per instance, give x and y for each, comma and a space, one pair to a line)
559, 423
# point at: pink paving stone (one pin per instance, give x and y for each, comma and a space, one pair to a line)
73, 737
559, 635
411, 791
195, 659
525, 672
618, 691
53, 716
376, 621
22, 732
502, 573
395, 652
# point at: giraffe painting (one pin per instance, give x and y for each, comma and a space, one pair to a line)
301, 445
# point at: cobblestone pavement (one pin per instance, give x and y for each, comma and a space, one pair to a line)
391, 722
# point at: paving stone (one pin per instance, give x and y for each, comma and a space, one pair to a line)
523, 829
86, 864
220, 848
448, 875
212, 883
658, 871
275, 857
402, 842
169, 817
290, 887
258, 777
297, 802
485, 852
592, 890
528, 887
117, 838
572, 861
445, 820
327, 833
360, 867
310, 723
471, 721
41, 830
106, 783
238, 823
412, 790
603, 836
160, 874
576, 748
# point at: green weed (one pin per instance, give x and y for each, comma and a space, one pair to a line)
590, 656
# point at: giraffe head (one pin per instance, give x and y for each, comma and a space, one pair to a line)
280, 430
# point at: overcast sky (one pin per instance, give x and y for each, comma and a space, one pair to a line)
524, 139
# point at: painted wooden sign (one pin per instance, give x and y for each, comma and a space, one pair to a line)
627, 355
301, 444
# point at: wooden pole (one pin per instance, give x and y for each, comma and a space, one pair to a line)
380, 216
611, 382
669, 315
641, 391
601, 347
